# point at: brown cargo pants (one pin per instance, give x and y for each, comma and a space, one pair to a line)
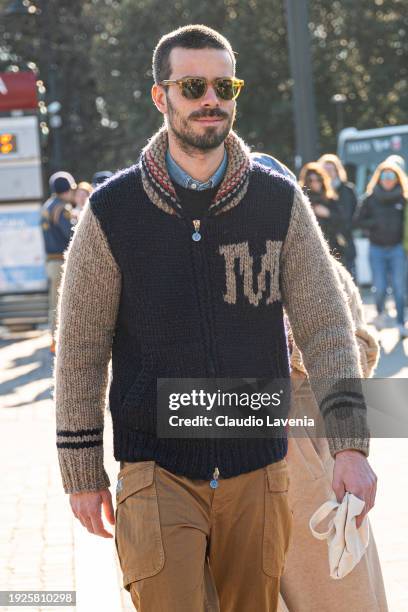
185, 547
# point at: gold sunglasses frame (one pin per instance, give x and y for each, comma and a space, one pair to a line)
236, 83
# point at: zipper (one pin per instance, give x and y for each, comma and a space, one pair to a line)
214, 482
196, 236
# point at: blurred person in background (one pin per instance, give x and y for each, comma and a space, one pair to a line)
347, 201
315, 181
100, 177
57, 221
381, 214
82, 193
306, 584
398, 160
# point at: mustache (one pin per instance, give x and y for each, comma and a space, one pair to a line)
211, 112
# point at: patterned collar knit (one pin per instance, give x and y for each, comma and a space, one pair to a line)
160, 189
141, 289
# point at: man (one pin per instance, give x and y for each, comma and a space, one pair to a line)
56, 223
200, 524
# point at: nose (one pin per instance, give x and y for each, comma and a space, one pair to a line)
210, 98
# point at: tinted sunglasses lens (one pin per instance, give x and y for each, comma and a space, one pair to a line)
225, 89
193, 88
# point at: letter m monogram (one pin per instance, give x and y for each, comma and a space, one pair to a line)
269, 267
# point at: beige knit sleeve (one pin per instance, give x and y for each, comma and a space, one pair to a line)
86, 316
367, 343
323, 328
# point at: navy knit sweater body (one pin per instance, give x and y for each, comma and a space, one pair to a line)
186, 311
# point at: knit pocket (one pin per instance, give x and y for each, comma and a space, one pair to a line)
134, 396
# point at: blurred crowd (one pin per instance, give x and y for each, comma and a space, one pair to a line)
59, 215
381, 215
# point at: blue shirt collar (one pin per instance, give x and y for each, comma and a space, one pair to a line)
179, 176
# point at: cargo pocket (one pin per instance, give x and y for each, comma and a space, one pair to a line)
137, 530
278, 518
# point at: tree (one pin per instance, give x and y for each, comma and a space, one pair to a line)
102, 53
360, 49
57, 38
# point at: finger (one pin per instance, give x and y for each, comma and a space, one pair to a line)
370, 496
373, 494
339, 490
368, 504
108, 509
360, 518
86, 522
98, 528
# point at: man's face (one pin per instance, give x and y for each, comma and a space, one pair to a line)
201, 124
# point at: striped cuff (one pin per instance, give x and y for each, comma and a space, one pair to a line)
345, 419
80, 438
80, 456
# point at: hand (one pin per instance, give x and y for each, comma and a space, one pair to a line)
353, 473
321, 211
86, 507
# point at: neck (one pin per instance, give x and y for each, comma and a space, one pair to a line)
198, 164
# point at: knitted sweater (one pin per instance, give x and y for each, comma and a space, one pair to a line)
195, 203
136, 287
368, 346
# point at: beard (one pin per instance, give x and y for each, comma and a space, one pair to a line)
188, 139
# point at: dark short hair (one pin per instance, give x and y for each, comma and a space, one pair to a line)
187, 37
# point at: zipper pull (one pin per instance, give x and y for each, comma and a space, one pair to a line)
196, 235
214, 481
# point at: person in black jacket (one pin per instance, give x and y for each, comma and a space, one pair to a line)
347, 201
315, 181
381, 215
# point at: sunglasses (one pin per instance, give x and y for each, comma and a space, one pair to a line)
388, 176
193, 88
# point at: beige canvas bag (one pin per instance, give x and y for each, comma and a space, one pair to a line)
346, 543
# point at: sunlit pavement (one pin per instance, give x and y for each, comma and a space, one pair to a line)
43, 547
389, 459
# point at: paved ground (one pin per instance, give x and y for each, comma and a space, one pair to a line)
389, 458
42, 545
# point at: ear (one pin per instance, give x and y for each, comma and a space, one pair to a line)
159, 98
